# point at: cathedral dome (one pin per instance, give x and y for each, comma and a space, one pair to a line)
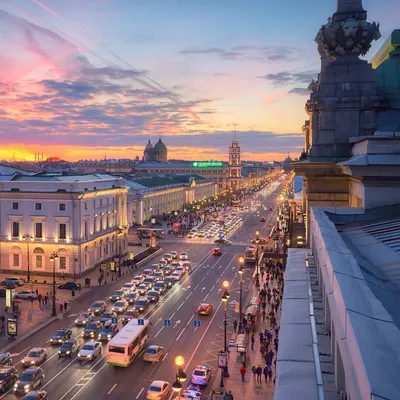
160, 145
149, 145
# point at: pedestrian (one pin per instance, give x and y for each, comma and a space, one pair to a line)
235, 324
3, 319
266, 372
254, 371
261, 336
226, 396
259, 373
252, 341
270, 375
61, 308
62, 277
65, 306
32, 299
243, 372
270, 357
73, 294
247, 330
230, 395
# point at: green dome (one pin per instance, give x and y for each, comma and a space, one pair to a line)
160, 145
149, 145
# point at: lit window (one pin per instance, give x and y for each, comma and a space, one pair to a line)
63, 231
39, 261
63, 262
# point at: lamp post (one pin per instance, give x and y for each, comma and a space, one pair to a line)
27, 237
241, 270
180, 376
53, 259
257, 261
225, 298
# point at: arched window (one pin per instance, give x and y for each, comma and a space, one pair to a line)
62, 260
15, 257
38, 254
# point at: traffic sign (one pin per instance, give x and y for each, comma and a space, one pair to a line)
167, 322
196, 323
140, 321
114, 320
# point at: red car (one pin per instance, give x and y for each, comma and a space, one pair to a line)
262, 219
204, 309
217, 251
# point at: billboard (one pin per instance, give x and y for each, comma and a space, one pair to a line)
207, 164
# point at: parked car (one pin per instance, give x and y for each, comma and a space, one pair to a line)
69, 348
5, 359
201, 375
8, 377
26, 294
70, 286
16, 281
3, 292
89, 351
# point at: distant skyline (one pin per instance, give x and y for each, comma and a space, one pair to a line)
85, 79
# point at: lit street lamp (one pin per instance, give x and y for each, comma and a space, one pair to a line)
241, 270
257, 261
180, 376
53, 259
27, 237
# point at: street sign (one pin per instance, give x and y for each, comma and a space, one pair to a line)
167, 322
222, 359
114, 320
140, 321
196, 323
103, 266
231, 342
12, 327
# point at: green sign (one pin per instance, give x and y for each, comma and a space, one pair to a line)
206, 164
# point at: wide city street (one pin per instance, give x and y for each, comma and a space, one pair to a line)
70, 378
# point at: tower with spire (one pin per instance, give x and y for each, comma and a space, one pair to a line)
235, 166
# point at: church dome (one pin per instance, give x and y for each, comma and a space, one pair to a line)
160, 145
149, 145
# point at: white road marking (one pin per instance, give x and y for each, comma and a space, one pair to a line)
112, 388
158, 332
57, 375
172, 316
180, 306
139, 393
189, 295
165, 356
189, 320
206, 297
183, 330
196, 286
212, 288
203, 279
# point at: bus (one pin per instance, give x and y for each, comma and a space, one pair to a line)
250, 254
127, 343
149, 232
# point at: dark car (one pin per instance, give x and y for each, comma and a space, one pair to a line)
259, 241
36, 395
61, 335
167, 271
153, 296
158, 275
69, 348
141, 304
92, 329
70, 286
5, 359
108, 332
160, 286
98, 307
169, 281
131, 297
128, 315
117, 295
262, 219
30, 379
142, 289
223, 241
150, 281
106, 316
8, 376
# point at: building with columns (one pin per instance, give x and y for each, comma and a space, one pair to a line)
83, 218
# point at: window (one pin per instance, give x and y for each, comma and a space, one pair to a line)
101, 223
38, 206
15, 229
15, 206
86, 229
107, 222
15, 260
101, 202
63, 231
38, 230
85, 259
61, 207
63, 262
85, 205
39, 261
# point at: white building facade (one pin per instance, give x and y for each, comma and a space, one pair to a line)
81, 218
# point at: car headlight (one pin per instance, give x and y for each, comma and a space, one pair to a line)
118, 298
16, 385
68, 352
109, 336
91, 333
60, 341
33, 362
59, 352
26, 386
76, 321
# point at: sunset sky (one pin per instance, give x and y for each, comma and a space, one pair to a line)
93, 78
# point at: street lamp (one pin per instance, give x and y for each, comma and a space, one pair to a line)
27, 237
257, 261
225, 298
180, 376
241, 270
53, 259
120, 233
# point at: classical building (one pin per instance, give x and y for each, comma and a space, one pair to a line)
83, 218
108, 165
158, 153
163, 194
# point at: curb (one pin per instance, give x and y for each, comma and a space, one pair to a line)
150, 257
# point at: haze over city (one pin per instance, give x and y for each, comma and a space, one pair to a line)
100, 77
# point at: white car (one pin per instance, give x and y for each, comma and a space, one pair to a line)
158, 390
26, 294
120, 306
36, 356
191, 394
183, 255
191, 236
89, 351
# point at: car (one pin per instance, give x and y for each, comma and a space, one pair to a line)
174, 265
158, 390
260, 241
160, 287
5, 359
270, 209
162, 263
204, 309
70, 286
98, 307
183, 255
83, 318
128, 315
128, 287
222, 241
120, 306
117, 295
141, 305
61, 335
191, 235
107, 315
153, 296
177, 276
137, 279
30, 379
108, 332
8, 377
131, 297
174, 254
89, 351
169, 281
217, 251
92, 329
181, 270
167, 271
153, 353
16, 281
26, 294
150, 281
201, 375
69, 348
201, 234
3, 292
158, 275
148, 272
36, 395
209, 235
36, 356
142, 289
187, 266
168, 257
191, 394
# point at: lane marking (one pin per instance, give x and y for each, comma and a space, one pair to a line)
190, 320
158, 332
189, 295
140, 393
172, 316
203, 279
180, 306
183, 330
206, 297
196, 286
165, 356
212, 288
112, 388
58, 374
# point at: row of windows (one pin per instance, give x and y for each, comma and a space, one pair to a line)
38, 230
39, 261
38, 206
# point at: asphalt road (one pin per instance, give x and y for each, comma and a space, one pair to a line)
68, 379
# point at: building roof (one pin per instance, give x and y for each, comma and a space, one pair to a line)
61, 178
8, 170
